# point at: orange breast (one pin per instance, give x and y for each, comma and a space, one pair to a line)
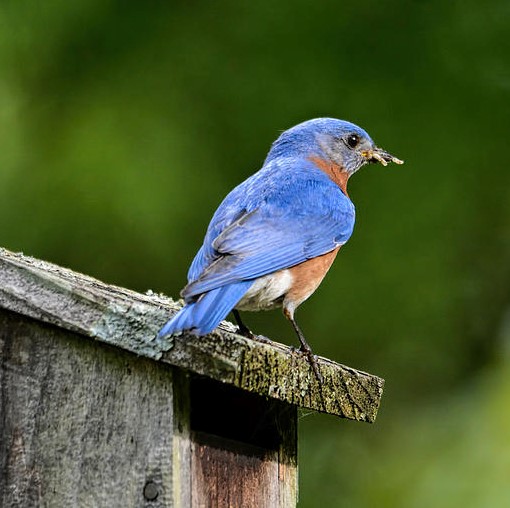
307, 276
336, 172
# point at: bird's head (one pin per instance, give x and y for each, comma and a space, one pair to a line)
329, 139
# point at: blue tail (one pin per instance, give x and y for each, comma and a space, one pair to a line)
204, 315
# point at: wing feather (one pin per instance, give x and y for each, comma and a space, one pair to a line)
295, 223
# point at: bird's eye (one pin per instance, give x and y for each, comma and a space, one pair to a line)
352, 140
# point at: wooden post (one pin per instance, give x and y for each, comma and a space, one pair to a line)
95, 412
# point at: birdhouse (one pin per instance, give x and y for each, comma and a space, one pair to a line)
94, 412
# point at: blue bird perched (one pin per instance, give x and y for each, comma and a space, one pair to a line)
274, 237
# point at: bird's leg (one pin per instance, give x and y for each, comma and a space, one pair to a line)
245, 331
305, 347
242, 328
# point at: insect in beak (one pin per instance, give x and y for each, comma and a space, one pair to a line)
379, 155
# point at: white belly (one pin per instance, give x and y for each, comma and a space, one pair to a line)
266, 292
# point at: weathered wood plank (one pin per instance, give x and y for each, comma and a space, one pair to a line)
81, 424
181, 446
243, 447
131, 321
230, 474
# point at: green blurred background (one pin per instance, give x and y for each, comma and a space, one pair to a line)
123, 124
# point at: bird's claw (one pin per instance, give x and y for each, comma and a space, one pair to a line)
246, 332
312, 360
262, 338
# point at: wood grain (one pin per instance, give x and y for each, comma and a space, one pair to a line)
228, 474
130, 321
81, 424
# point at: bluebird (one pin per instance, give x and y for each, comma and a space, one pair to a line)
274, 237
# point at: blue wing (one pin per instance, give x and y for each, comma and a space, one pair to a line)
288, 212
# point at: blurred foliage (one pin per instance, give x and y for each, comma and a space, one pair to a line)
123, 124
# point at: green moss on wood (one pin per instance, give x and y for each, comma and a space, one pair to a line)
130, 321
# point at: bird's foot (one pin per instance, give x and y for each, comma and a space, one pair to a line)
312, 360
242, 329
305, 347
262, 338
245, 332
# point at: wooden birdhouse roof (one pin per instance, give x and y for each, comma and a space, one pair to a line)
130, 321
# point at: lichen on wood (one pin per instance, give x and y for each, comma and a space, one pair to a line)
131, 320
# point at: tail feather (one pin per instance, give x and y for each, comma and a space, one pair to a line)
204, 315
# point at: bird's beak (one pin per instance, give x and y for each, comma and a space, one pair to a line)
379, 155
